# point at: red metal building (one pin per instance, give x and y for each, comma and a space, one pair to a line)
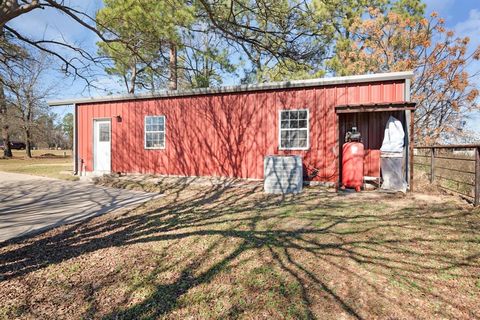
227, 131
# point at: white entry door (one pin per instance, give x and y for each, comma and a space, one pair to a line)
102, 146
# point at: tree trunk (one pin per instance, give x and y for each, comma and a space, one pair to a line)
133, 80
28, 143
7, 152
173, 80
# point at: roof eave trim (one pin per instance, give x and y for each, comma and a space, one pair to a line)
376, 107
391, 76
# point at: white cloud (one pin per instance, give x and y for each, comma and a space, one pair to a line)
470, 28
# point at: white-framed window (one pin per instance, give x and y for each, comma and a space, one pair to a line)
294, 129
154, 132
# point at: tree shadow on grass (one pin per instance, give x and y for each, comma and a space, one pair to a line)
339, 237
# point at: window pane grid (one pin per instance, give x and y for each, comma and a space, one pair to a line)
155, 132
104, 132
294, 129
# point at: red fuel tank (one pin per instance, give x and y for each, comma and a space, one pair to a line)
352, 165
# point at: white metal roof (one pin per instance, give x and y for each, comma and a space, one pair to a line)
243, 88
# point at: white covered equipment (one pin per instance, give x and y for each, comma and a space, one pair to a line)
394, 138
392, 156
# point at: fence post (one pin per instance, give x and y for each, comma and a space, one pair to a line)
411, 145
432, 165
477, 176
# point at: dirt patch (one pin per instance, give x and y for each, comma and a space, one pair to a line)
51, 156
424, 188
161, 184
422, 184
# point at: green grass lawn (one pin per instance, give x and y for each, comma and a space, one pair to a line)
235, 253
47, 163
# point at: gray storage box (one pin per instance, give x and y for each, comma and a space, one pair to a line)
393, 172
283, 174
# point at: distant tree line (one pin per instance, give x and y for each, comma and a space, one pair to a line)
29, 119
48, 132
149, 45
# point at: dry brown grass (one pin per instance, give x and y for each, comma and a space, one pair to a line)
209, 252
454, 175
46, 163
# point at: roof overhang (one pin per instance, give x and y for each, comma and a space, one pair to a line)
391, 76
376, 107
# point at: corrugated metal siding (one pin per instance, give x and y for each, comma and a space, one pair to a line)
228, 134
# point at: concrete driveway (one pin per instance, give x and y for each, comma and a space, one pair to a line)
31, 203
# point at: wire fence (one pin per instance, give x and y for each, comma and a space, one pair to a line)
455, 168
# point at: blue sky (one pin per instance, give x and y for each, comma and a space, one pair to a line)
463, 16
